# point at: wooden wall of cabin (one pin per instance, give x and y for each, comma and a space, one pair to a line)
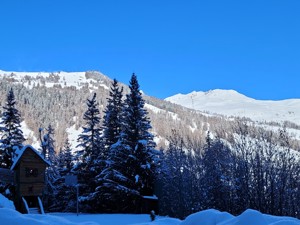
29, 178
31, 174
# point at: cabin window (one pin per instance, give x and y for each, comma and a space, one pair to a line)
31, 172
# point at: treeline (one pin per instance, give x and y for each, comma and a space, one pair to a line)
261, 172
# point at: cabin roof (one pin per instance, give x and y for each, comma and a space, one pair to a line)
21, 152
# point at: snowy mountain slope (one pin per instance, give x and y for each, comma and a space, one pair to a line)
64, 94
64, 79
232, 103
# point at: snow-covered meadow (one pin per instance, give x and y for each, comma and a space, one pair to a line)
9, 216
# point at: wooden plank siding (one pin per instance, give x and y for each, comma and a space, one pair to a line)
29, 172
31, 185
30, 189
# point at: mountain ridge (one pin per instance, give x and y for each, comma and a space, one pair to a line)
232, 103
60, 100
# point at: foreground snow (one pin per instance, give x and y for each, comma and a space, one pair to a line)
9, 216
5, 203
249, 217
12, 217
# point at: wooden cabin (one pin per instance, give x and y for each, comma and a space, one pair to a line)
29, 168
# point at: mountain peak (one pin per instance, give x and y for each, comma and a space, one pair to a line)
232, 103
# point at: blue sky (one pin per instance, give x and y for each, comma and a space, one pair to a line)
173, 46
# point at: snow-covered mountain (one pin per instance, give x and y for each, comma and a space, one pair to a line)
59, 99
232, 103
63, 79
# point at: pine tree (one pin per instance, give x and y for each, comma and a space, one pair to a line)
137, 136
216, 161
172, 177
65, 194
116, 188
136, 123
52, 174
91, 155
65, 159
112, 120
11, 134
130, 169
89, 139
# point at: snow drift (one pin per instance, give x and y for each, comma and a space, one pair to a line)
249, 217
5, 203
208, 217
9, 216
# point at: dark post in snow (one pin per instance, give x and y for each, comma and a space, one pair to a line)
180, 193
71, 180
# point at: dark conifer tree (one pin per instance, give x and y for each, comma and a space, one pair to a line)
136, 122
91, 155
129, 173
65, 159
65, 194
172, 168
89, 139
52, 174
216, 161
11, 133
116, 191
136, 134
112, 120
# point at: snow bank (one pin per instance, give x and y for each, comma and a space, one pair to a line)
207, 217
119, 219
5, 203
249, 217
12, 217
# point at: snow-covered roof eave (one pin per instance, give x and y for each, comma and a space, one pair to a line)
153, 197
21, 152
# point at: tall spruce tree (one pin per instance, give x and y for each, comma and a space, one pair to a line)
216, 162
91, 155
11, 133
116, 187
65, 159
52, 175
65, 194
130, 169
136, 122
112, 120
136, 134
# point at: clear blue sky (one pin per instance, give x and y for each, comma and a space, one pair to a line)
173, 46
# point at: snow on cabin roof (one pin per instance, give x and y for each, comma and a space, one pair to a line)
21, 151
154, 197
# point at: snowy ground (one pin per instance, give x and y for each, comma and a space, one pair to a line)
208, 217
9, 216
